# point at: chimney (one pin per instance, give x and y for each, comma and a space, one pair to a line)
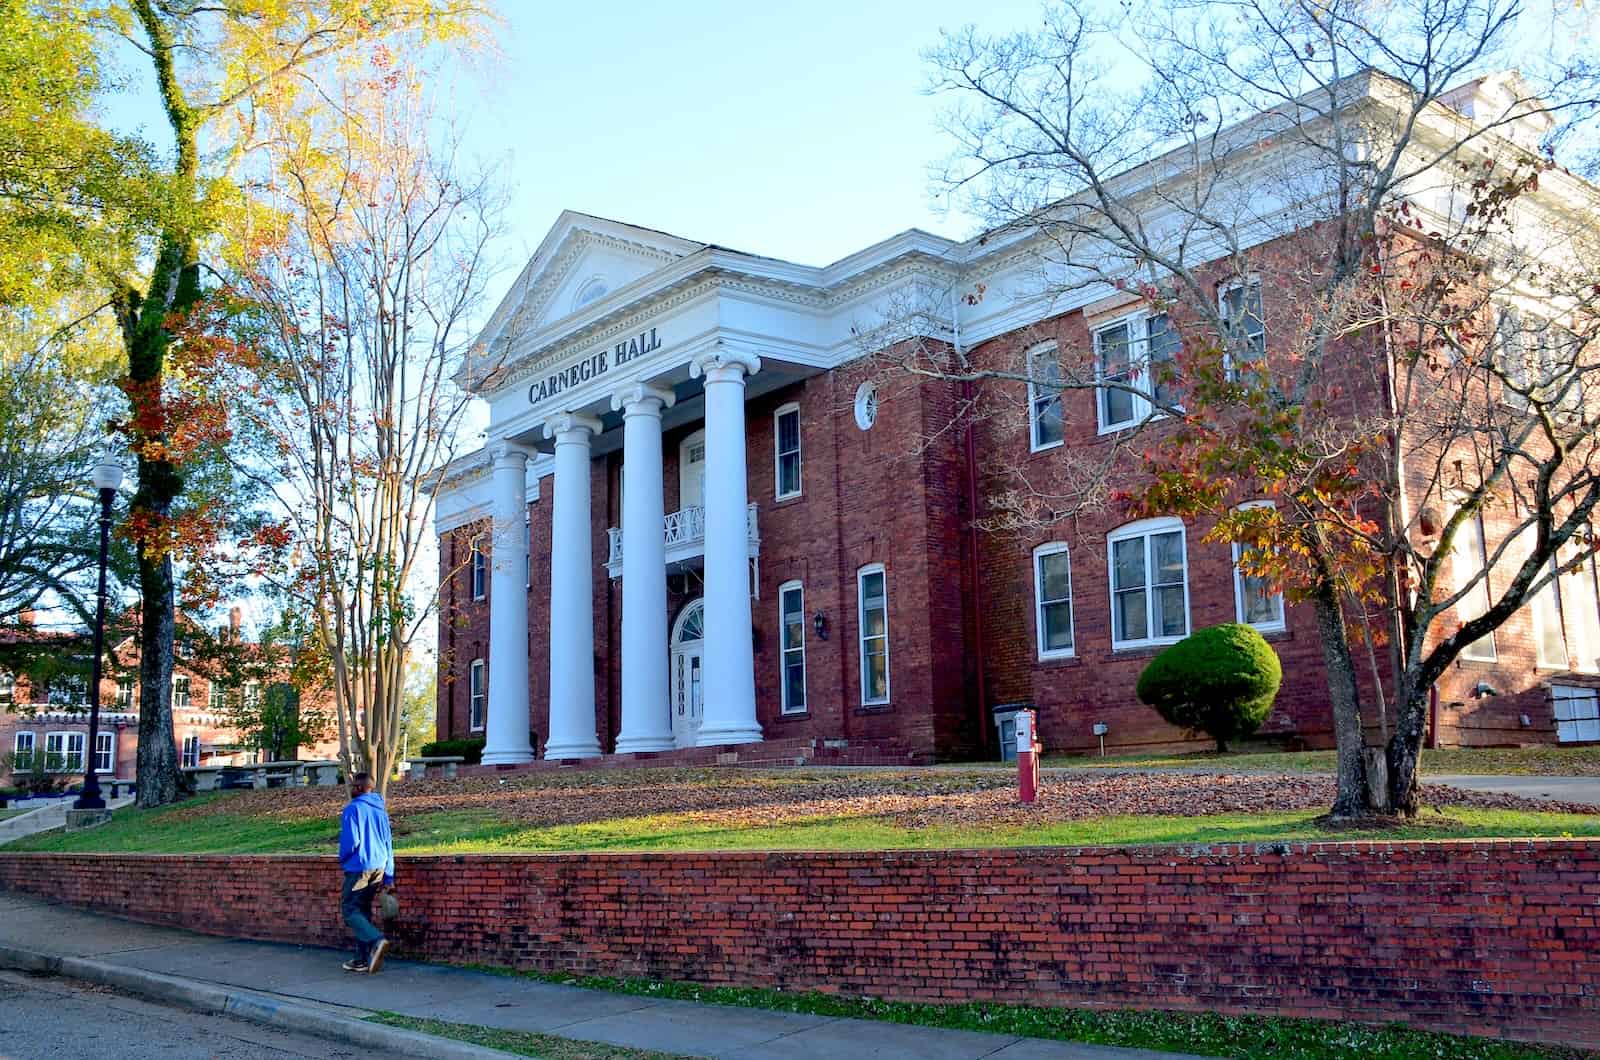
28, 618
235, 620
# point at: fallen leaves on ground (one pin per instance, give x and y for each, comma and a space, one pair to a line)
910, 798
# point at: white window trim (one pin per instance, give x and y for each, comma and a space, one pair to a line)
783, 651
777, 453
8, 688
183, 751
1138, 354
1482, 560
111, 738
861, 635
478, 587
1584, 664
1034, 445
1145, 528
1051, 548
1223, 290
33, 744
477, 677
66, 749
1553, 587
188, 691
1238, 584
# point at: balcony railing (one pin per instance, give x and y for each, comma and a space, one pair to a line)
684, 533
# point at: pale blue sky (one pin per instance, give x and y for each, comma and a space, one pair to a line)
795, 130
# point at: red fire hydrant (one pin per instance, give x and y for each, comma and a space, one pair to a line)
1027, 756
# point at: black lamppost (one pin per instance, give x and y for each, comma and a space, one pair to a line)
107, 477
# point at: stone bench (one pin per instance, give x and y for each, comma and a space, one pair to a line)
320, 774
204, 777
421, 767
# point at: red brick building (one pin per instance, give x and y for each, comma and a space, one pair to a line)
52, 719
803, 527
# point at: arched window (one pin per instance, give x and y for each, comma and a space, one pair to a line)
1149, 568
592, 291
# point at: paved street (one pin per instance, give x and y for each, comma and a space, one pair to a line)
1563, 789
45, 1017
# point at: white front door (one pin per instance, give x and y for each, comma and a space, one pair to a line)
688, 638
692, 471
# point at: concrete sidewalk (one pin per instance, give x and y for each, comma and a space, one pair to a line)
312, 975
46, 817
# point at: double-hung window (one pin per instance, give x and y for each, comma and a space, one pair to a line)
180, 691
252, 695
125, 692
792, 625
68, 690
191, 752
786, 457
105, 752
1045, 430
1132, 364
1256, 602
1149, 583
1468, 562
1548, 639
1580, 595
216, 696
1245, 325
63, 752
872, 591
1539, 358
22, 752
8, 688
477, 696
480, 572
1052, 600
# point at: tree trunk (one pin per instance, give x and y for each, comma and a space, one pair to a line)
1351, 798
157, 759
1405, 749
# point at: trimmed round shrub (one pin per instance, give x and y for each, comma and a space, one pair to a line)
1220, 681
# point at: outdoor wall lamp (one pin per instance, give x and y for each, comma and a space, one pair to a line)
819, 622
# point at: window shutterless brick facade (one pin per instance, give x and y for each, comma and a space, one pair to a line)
892, 501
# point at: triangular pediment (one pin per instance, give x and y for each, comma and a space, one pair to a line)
582, 261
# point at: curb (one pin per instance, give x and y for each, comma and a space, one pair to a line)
245, 1004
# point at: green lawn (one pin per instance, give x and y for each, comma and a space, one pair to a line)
480, 831
1204, 1033
518, 1043
1554, 761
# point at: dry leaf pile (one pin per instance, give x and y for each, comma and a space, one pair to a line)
909, 798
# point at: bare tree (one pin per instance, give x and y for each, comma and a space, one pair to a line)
1369, 296
359, 317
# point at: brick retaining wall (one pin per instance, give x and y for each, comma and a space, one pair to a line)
1493, 937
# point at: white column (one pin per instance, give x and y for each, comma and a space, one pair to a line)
730, 696
572, 728
646, 696
506, 738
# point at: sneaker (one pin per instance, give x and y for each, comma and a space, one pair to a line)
355, 965
375, 958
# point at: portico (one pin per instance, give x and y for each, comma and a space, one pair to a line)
717, 536
635, 383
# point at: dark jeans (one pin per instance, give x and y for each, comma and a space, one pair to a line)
355, 902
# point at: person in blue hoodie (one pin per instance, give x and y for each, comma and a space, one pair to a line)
366, 853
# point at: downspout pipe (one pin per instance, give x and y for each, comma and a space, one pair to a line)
980, 658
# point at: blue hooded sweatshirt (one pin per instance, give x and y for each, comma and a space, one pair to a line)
364, 840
